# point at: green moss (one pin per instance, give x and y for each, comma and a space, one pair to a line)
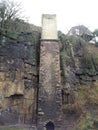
86, 123
96, 124
88, 95
9, 34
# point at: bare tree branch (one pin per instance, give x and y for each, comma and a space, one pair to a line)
9, 10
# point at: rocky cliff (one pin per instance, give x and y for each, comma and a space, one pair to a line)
18, 79
79, 69
19, 65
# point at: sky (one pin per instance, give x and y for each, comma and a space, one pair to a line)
69, 12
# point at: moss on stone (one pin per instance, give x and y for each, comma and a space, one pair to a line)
86, 123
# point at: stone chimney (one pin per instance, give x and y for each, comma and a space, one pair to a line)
49, 93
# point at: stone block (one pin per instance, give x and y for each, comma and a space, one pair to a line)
2, 76
49, 27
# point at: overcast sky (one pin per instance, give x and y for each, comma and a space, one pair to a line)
69, 12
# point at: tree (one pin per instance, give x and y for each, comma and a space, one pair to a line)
95, 32
9, 10
96, 36
10, 13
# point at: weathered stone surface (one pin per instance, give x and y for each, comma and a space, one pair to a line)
17, 83
79, 69
49, 94
49, 27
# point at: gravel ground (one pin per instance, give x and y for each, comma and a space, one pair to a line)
22, 127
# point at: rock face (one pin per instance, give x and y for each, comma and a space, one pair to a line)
79, 65
43, 92
18, 83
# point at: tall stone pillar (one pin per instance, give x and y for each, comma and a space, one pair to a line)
49, 94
